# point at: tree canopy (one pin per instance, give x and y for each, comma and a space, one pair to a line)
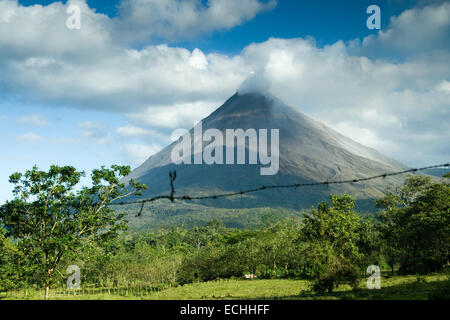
50, 218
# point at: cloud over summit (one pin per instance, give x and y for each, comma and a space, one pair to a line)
388, 90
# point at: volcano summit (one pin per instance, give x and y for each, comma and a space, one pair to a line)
309, 151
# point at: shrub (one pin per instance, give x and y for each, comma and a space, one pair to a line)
262, 272
339, 272
441, 291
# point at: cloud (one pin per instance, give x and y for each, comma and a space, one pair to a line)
389, 90
257, 82
136, 154
179, 115
28, 138
413, 32
143, 20
399, 108
95, 132
43, 61
134, 132
34, 120
40, 32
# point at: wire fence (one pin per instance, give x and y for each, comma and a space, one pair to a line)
65, 293
172, 197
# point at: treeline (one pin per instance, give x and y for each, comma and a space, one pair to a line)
331, 245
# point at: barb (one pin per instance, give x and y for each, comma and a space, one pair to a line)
172, 176
142, 209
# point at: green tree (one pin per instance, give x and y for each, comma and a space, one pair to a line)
331, 234
339, 271
334, 226
50, 218
369, 244
415, 225
394, 219
10, 273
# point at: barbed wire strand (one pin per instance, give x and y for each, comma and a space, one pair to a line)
172, 198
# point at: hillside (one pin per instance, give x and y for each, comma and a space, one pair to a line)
309, 152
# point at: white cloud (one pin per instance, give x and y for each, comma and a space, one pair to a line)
41, 60
40, 31
444, 86
136, 154
34, 120
95, 132
181, 115
131, 132
402, 109
399, 106
129, 80
28, 138
143, 20
415, 31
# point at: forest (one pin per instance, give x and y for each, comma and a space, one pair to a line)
50, 225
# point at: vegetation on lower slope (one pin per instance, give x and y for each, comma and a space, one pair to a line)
325, 251
190, 215
433, 286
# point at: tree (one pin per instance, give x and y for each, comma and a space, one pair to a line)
415, 225
334, 226
369, 244
428, 231
332, 236
394, 219
10, 275
339, 272
50, 218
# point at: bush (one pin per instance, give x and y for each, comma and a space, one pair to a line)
339, 272
262, 272
441, 291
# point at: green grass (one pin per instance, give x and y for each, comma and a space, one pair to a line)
234, 289
397, 287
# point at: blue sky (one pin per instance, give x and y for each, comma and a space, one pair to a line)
113, 91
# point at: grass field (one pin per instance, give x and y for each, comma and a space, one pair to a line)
436, 286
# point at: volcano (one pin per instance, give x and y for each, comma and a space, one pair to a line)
309, 151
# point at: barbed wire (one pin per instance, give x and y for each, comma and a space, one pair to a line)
172, 197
